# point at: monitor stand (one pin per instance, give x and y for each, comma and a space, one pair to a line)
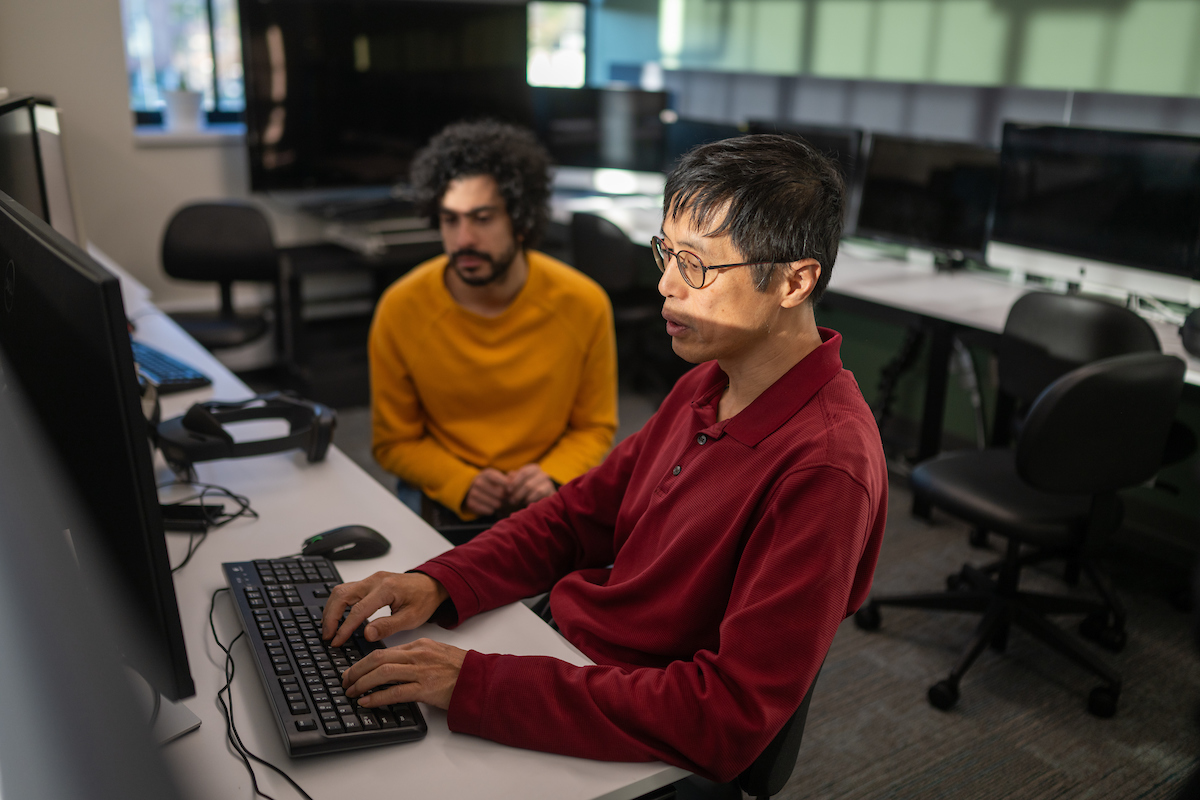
172, 720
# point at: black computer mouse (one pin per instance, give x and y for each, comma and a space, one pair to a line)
347, 542
1190, 333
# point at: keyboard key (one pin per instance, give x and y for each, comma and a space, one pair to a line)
298, 708
351, 723
386, 719
369, 723
296, 697
284, 669
306, 724
333, 727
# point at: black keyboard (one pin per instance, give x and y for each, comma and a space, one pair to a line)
280, 602
165, 372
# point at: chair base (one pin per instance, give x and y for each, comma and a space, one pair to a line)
1002, 606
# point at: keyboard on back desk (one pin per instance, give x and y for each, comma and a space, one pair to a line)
280, 603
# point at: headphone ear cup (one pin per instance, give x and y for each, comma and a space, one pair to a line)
324, 423
199, 419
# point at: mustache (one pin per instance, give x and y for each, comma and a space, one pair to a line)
466, 251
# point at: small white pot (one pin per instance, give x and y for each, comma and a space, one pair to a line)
184, 111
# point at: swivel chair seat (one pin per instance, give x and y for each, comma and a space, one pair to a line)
222, 242
1096, 430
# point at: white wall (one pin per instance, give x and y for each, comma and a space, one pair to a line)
73, 51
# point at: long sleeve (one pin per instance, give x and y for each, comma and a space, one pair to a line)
593, 419
714, 713
401, 439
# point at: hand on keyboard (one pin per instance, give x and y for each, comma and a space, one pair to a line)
422, 671
412, 597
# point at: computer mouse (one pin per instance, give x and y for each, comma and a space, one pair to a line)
1190, 333
347, 542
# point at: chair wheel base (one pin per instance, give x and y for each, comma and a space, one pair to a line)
1096, 628
867, 618
943, 695
1102, 702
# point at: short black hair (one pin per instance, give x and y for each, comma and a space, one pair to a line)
511, 155
782, 201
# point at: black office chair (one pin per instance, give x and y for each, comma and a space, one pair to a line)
765, 777
222, 242
1094, 431
605, 254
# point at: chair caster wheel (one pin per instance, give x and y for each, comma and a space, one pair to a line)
1102, 702
943, 695
1097, 628
978, 537
867, 618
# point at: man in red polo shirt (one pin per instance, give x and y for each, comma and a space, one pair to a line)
706, 564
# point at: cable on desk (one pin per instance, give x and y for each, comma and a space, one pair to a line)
217, 520
231, 734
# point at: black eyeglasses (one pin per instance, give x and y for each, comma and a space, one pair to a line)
693, 270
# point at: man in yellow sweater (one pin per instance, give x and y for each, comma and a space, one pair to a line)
493, 367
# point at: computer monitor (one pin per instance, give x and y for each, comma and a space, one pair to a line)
683, 134
843, 145
1103, 208
64, 332
73, 727
601, 128
32, 167
927, 194
343, 94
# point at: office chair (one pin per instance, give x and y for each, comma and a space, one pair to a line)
1092, 432
766, 775
222, 242
605, 254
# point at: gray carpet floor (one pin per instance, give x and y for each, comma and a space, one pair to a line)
1021, 728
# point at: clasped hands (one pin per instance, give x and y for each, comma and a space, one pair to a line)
424, 670
493, 490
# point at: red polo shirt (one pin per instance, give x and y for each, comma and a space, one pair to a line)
704, 566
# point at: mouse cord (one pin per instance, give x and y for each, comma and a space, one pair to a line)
231, 734
218, 519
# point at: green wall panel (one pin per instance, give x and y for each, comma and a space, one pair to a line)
1066, 49
905, 32
1155, 48
971, 45
841, 41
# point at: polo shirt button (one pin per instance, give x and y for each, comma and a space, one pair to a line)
676, 470
701, 439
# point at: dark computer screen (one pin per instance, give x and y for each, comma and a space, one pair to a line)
20, 177
936, 195
342, 94
684, 134
601, 128
63, 330
1119, 197
843, 145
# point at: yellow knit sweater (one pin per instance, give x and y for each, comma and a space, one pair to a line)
453, 392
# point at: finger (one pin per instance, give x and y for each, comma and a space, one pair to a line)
359, 613
409, 692
401, 619
383, 676
340, 597
481, 506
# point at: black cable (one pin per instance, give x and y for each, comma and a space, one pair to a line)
231, 734
217, 520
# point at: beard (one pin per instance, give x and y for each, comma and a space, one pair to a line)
499, 265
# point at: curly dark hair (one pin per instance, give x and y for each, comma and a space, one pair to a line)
511, 155
776, 196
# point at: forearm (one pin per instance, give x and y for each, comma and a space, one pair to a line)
430, 467
577, 451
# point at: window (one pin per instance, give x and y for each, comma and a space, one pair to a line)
556, 44
183, 44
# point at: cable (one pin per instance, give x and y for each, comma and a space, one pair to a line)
217, 520
231, 734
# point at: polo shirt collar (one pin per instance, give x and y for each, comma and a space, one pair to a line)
779, 402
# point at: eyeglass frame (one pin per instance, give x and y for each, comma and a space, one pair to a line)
657, 244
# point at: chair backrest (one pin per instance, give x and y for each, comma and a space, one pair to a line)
771, 770
1103, 426
603, 252
222, 242
1046, 335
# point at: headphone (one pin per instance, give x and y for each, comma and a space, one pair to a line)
200, 435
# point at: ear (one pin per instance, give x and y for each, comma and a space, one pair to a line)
799, 280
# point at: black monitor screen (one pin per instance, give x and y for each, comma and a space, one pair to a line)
684, 134
1118, 197
63, 329
601, 128
936, 195
843, 145
343, 94
19, 178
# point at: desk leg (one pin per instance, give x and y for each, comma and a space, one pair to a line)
941, 346
289, 316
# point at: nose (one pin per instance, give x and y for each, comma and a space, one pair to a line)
670, 282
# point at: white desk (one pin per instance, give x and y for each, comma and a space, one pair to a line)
295, 499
